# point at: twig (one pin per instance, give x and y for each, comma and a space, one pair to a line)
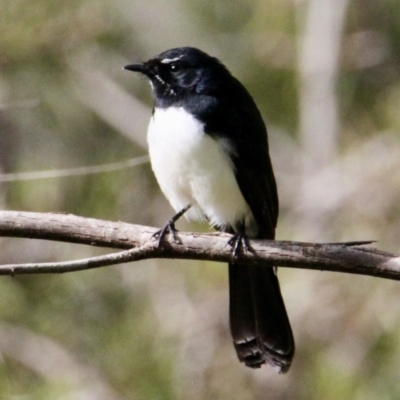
347, 257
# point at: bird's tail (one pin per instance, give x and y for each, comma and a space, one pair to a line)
259, 324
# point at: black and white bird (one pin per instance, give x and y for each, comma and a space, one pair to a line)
209, 152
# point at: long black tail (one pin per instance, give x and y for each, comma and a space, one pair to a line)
259, 324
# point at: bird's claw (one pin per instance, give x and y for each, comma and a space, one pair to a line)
239, 241
169, 228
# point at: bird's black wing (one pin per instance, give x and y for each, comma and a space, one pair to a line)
236, 118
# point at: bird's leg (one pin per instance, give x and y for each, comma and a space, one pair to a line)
170, 228
239, 241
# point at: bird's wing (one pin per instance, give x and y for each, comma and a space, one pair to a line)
242, 125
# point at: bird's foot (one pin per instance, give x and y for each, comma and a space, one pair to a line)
239, 241
161, 233
170, 228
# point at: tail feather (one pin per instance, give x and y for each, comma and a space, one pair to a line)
259, 323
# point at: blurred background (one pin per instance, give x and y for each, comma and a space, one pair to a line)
326, 77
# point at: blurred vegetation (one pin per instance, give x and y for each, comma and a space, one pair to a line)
325, 74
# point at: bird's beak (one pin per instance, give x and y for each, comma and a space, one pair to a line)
142, 68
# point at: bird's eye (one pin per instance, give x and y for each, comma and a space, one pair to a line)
175, 66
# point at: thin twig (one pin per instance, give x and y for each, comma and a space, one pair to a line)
120, 257
61, 173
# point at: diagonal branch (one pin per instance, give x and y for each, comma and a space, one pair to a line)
350, 257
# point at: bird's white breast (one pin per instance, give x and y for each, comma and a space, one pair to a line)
191, 167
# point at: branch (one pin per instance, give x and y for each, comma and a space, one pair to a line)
347, 257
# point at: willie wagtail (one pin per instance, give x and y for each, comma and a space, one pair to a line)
209, 152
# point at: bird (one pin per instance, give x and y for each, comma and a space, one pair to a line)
209, 152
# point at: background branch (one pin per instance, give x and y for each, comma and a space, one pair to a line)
347, 257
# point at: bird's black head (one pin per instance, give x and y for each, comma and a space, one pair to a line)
179, 72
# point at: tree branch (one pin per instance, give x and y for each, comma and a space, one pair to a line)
348, 257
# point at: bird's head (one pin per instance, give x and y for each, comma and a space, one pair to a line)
178, 72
